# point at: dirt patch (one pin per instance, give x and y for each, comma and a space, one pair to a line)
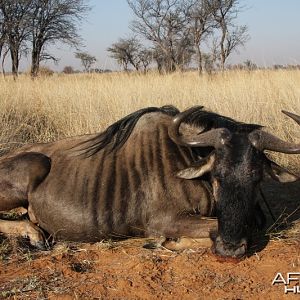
127, 271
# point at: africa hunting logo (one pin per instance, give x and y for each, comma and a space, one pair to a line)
291, 282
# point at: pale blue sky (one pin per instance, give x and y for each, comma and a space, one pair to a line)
274, 27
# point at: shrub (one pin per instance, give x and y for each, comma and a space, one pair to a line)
68, 70
45, 71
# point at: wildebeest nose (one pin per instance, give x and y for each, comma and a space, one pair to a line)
241, 251
224, 249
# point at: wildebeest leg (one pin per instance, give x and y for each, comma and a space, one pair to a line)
178, 243
187, 243
25, 229
19, 176
31, 215
189, 232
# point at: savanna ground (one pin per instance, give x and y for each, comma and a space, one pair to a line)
64, 105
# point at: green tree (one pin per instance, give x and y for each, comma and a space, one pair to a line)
86, 59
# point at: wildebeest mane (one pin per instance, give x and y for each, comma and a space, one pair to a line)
209, 120
117, 134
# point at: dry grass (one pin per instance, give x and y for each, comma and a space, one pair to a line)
66, 105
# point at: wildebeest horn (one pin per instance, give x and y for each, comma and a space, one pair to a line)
265, 141
212, 138
293, 116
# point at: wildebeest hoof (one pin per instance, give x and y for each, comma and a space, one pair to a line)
154, 244
39, 245
187, 243
35, 235
177, 244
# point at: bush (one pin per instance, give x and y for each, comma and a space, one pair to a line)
68, 70
45, 71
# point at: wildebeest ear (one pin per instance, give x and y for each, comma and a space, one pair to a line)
198, 169
280, 174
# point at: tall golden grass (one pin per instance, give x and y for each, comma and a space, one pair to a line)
50, 108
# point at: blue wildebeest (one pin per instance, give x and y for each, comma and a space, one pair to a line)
156, 172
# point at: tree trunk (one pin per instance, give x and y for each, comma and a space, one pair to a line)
172, 65
199, 58
159, 66
14, 54
125, 66
223, 57
35, 63
3, 61
222, 48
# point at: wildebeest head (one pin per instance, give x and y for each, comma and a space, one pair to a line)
231, 155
